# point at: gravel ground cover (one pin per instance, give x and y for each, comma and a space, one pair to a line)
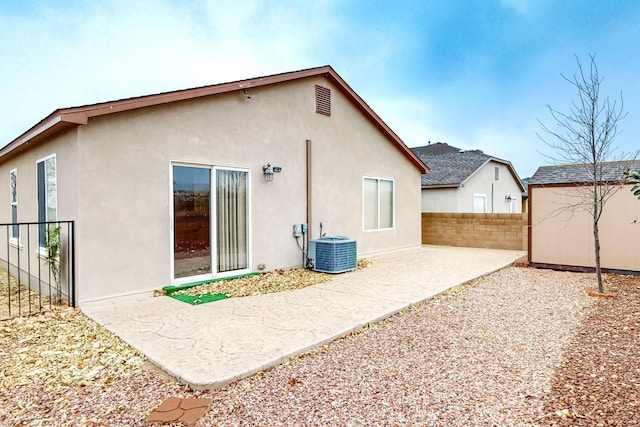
16, 299
520, 347
279, 280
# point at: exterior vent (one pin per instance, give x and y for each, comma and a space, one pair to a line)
333, 254
323, 100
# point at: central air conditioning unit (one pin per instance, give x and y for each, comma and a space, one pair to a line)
333, 254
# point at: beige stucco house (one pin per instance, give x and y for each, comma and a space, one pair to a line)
209, 182
561, 231
468, 181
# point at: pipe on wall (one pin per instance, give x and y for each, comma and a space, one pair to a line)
309, 196
492, 210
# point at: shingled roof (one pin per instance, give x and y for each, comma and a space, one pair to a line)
450, 166
581, 173
435, 149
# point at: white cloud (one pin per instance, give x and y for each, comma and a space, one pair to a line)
111, 50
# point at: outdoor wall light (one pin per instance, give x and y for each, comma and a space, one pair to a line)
508, 199
269, 171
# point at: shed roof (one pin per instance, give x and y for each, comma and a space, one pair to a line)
65, 118
581, 173
450, 166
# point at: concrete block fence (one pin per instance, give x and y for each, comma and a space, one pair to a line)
495, 231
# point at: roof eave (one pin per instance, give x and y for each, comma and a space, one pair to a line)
68, 117
432, 186
54, 123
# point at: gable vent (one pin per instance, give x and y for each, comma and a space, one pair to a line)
323, 100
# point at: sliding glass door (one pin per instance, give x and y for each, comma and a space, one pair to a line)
208, 202
191, 221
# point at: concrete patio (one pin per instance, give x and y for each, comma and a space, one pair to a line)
214, 344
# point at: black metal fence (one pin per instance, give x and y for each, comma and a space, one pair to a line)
37, 267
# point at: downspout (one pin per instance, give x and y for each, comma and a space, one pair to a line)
492, 210
529, 231
309, 205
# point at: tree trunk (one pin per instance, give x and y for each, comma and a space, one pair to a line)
596, 236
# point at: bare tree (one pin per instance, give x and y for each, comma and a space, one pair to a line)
584, 137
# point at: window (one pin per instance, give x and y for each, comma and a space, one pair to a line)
479, 203
497, 171
378, 203
47, 195
13, 182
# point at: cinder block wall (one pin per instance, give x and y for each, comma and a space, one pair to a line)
496, 231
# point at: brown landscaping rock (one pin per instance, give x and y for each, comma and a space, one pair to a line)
174, 409
596, 384
594, 293
522, 262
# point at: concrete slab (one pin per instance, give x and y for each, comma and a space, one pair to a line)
214, 344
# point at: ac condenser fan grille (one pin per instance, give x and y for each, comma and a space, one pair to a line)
334, 254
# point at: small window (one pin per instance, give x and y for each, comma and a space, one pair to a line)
323, 100
378, 203
13, 182
47, 195
497, 173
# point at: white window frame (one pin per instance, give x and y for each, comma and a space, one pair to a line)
41, 245
393, 204
482, 196
213, 225
13, 197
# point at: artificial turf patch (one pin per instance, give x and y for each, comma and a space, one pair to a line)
199, 299
170, 291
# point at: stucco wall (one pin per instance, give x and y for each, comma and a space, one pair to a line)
482, 181
64, 147
560, 237
440, 200
124, 190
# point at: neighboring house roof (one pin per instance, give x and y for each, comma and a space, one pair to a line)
435, 149
580, 173
450, 166
65, 118
525, 184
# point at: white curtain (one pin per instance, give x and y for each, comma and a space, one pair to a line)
386, 204
231, 199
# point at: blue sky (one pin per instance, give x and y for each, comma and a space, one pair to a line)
474, 74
